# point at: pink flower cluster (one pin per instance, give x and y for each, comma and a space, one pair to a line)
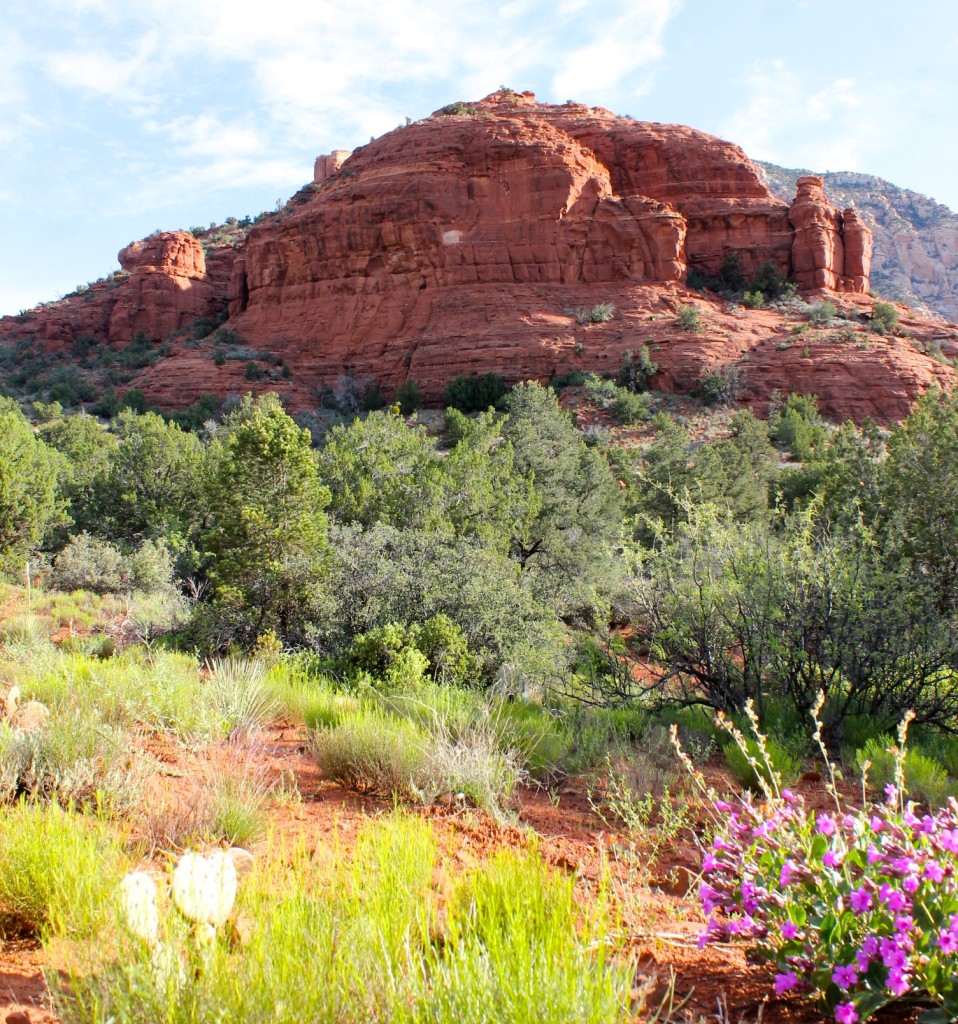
857, 909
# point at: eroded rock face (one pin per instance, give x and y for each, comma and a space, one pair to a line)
830, 250
168, 287
445, 247
165, 283
328, 164
477, 241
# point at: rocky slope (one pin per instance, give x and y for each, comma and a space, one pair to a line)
477, 240
916, 239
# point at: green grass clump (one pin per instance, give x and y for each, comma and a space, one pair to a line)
374, 752
360, 937
74, 757
58, 870
783, 762
925, 779
239, 695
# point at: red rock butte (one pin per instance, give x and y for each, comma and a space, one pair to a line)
469, 241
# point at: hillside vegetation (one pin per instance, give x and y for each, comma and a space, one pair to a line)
450, 619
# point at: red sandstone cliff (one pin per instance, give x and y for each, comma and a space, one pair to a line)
466, 242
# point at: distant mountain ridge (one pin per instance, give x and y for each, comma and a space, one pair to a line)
916, 238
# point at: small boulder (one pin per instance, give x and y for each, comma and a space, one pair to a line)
243, 860
30, 717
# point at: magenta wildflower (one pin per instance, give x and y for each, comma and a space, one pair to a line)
789, 930
898, 981
892, 898
934, 872
832, 859
948, 942
845, 977
874, 854
788, 872
891, 794
825, 825
845, 1013
860, 900
784, 981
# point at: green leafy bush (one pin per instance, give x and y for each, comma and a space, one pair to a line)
884, 318
408, 397
474, 394
721, 386
748, 765
690, 319
925, 778
819, 313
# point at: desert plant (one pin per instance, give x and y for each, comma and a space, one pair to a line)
855, 908
88, 563
721, 386
237, 692
690, 319
637, 369
513, 944
58, 870
474, 394
750, 766
753, 300
819, 313
600, 313
408, 397
884, 318
925, 779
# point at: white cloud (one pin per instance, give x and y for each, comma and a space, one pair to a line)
206, 135
124, 78
823, 126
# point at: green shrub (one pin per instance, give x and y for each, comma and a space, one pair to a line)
74, 757
443, 643
408, 397
925, 779
819, 313
626, 406
239, 696
768, 280
88, 563
629, 408
373, 752
753, 300
690, 319
636, 370
458, 109
721, 386
884, 318
796, 424
598, 314
474, 394
58, 870
746, 774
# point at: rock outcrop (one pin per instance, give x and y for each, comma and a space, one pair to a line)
167, 287
478, 239
164, 283
915, 256
830, 250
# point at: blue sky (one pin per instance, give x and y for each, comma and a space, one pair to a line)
118, 117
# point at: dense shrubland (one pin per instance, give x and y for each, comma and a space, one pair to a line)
450, 618
737, 578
